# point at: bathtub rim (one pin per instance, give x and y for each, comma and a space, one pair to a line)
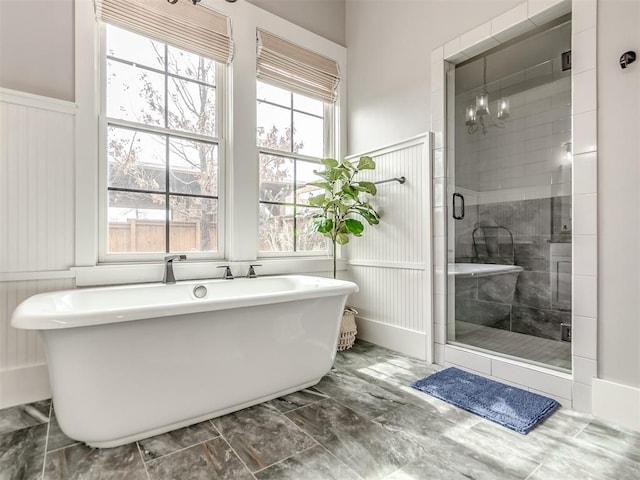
30, 316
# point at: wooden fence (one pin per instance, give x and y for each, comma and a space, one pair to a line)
149, 236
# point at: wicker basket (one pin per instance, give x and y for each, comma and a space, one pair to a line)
348, 329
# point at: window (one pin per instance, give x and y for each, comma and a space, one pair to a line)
291, 140
296, 92
161, 147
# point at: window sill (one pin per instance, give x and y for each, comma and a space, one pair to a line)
116, 274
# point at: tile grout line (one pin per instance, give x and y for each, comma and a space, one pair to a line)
66, 446
340, 461
46, 441
237, 456
144, 464
301, 406
287, 458
534, 471
582, 429
300, 428
182, 449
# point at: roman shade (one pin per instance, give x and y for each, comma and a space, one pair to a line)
284, 64
194, 28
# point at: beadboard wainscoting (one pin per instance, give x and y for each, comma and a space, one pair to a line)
391, 262
37, 213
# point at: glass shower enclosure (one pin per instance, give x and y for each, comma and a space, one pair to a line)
509, 227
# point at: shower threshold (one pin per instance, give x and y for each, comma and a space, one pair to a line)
544, 352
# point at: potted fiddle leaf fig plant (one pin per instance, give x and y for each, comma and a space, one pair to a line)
344, 206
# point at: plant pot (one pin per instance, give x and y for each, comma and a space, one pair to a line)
348, 329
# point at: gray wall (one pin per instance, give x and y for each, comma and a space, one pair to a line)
390, 45
37, 39
36, 47
324, 17
389, 99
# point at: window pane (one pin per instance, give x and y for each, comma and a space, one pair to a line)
308, 134
276, 228
191, 66
192, 107
304, 175
307, 240
134, 48
134, 94
308, 105
136, 159
193, 167
194, 224
276, 179
274, 127
273, 94
136, 222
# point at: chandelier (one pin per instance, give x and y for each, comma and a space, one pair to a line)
478, 116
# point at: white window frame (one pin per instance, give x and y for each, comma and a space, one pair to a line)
103, 202
329, 150
240, 152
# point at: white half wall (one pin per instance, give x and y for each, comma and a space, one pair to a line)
37, 179
391, 262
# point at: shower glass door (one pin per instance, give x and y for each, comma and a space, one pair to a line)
510, 200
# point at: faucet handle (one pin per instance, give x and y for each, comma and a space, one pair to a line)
252, 273
227, 275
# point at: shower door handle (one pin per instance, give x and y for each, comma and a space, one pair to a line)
461, 216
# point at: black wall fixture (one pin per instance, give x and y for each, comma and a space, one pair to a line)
627, 58
566, 60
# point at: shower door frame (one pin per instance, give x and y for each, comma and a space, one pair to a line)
573, 389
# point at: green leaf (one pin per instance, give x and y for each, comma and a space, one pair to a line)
354, 226
326, 174
343, 208
346, 163
330, 162
336, 173
369, 187
342, 238
324, 225
326, 185
318, 200
369, 215
349, 190
366, 163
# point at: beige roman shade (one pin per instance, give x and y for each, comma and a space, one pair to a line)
194, 28
289, 66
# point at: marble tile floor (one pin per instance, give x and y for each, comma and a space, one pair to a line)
362, 421
552, 353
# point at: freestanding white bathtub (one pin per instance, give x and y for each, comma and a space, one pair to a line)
133, 361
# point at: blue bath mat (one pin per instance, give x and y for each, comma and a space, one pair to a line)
512, 407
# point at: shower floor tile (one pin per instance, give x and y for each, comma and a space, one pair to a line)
362, 421
553, 353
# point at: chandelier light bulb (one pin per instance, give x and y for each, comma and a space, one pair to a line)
503, 109
482, 104
471, 116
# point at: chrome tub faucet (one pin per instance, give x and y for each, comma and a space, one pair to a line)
169, 277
